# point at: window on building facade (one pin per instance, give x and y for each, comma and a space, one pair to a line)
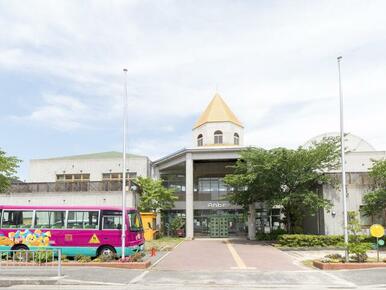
218, 137
118, 176
73, 177
200, 140
236, 139
212, 188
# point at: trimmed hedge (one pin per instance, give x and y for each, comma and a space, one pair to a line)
272, 236
304, 241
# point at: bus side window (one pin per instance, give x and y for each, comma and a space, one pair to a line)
14, 219
112, 222
49, 219
82, 220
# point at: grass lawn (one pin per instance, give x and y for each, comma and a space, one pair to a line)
308, 263
163, 244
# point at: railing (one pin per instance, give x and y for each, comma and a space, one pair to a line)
61, 186
20, 259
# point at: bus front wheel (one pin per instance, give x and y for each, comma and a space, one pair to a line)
106, 251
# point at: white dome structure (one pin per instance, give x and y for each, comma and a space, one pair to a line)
353, 143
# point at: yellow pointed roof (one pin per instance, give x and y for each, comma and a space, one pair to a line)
217, 111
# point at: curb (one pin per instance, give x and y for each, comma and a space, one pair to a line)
347, 266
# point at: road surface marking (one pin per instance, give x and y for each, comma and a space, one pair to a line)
164, 256
139, 277
239, 262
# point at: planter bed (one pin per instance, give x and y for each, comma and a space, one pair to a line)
347, 266
309, 248
122, 265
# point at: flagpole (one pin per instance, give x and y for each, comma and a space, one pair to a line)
123, 235
344, 194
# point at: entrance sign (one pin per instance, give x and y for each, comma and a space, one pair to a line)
377, 231
216, 205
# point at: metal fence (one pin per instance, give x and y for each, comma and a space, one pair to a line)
77, 186
45, 259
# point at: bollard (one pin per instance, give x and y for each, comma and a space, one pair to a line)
153, 252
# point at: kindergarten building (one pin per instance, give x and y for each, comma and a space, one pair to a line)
197, 175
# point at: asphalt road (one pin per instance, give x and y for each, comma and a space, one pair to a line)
215, 265
105, 278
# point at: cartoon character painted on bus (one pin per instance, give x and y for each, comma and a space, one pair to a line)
36, 238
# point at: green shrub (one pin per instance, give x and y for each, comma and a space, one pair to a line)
65, 258
42, 256
107, 257
272, 236
333, 258
359, 251
82, 259
300, 241
137, 257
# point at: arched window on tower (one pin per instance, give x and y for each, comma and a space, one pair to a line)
236, 139
218, 137
200, 140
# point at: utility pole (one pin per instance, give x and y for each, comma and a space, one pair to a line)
344, 194
123, 235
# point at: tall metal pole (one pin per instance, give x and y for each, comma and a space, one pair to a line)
123, 236
344, 194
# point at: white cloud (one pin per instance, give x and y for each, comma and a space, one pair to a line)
60, 112
266, 58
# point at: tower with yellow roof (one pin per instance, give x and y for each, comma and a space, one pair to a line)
218, 126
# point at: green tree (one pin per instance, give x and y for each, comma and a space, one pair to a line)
375, 201
154, 196
8, 166
285, 177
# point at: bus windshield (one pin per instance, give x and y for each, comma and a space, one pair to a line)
135, 221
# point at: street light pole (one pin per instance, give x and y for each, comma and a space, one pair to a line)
344, 194
123, 235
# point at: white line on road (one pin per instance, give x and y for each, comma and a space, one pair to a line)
164, 256
139, 277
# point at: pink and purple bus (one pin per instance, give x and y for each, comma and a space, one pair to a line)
87, 230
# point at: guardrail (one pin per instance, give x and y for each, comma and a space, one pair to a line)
45, 258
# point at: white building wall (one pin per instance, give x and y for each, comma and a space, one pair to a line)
228, 129
358, 184
45, 170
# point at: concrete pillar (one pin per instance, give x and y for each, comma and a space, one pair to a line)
252, 222
189, 196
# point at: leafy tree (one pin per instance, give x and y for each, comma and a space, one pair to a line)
355, 246
375, 201
154, 196
8, 166
285, 177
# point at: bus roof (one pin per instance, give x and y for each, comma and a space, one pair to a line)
64, 207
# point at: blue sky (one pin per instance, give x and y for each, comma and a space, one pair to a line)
274, 63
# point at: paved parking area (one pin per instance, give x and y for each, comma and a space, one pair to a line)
264, 257
198, 255
207, 254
